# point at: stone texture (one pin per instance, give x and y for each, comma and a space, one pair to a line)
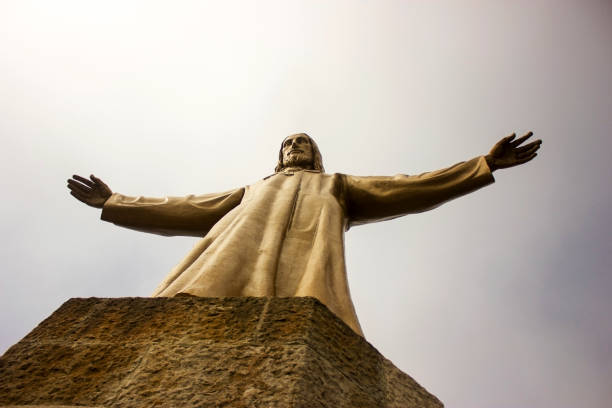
201, 352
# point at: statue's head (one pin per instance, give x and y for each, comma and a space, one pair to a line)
299, 150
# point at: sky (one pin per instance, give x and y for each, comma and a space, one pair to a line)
497, 299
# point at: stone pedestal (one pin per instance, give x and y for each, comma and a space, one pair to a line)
201, 352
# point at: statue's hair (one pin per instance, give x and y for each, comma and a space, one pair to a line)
317, 160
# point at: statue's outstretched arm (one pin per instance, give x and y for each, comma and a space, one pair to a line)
92, 192
509, 153
190, 215
371, 199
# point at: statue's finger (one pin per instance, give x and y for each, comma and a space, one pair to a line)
524, 154
528, 146
503, 141
521, 139
535, 145
527, 150
523, 148
79, 197
98, 181
75, 185
526, 159
83, 180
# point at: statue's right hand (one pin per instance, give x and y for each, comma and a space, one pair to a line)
92, 192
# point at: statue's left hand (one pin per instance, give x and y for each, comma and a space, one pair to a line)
92, 192
508, 152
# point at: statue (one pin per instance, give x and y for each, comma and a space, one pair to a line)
284, 235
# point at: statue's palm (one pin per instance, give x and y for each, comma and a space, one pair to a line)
92, 192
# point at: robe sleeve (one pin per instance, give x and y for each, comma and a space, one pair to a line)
170, 216
371, 199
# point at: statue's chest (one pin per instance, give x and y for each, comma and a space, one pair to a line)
298, 199
295, 184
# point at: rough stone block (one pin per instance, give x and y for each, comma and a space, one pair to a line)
201, 352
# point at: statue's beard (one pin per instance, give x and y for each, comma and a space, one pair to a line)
298, 160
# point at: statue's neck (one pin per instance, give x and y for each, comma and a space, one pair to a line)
293, 169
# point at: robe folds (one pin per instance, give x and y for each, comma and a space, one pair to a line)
284, 235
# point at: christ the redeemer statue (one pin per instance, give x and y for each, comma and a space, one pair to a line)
284, 235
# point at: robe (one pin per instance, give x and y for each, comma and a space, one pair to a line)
284, 235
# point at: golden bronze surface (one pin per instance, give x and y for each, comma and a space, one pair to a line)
284, 235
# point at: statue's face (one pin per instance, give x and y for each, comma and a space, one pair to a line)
297, 151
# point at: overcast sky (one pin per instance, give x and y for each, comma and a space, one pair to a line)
498, 299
